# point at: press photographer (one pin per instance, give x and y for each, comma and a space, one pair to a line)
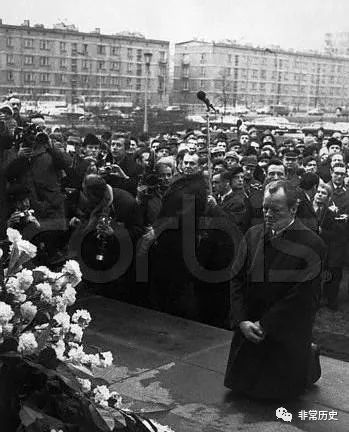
38, 167
98, 215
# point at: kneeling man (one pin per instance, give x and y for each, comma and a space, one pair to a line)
274, 297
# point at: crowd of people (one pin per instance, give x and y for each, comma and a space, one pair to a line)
158, 220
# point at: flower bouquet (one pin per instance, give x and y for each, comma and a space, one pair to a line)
46, 379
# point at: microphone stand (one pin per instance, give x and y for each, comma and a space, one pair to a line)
208, 143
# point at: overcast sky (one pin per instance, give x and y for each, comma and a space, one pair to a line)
290, 24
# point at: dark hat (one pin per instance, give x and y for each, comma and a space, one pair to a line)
232, 154
5, 108
250, 160
308, 181
333, 141
236, 170
91, 139
291, 153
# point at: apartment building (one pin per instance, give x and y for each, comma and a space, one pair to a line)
62, 62
337, 43
233, 74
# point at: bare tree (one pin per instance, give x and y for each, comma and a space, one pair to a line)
225, 85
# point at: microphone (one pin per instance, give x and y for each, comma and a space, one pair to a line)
202, 97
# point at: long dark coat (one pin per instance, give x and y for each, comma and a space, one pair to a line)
278, 284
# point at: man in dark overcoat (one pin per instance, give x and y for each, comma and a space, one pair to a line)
274, 296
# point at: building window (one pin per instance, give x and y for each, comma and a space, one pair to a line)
9, 76
129, 82
229, 58
45, 77
85, 49
101, 49
84, 79
139, 84
202, 71
115, 51
85, 64
62, 46
202, 84
129, 67
262, 87
63, 63
139, 55
263, 74
62, 78
162, 56
139, 69
9, 42
115, 81
115, 66
44, 61
185, 84
28, 43
44, 45
129, 53
10, 59
29, 77
74, 48
28, 60
203, 58
101, 65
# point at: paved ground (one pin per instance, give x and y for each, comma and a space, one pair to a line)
174, 369
331, 329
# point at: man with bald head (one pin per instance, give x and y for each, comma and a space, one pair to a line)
274, 296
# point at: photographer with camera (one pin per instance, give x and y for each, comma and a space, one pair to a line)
99, 216
38, 166
21, 216
120, 169
7, 154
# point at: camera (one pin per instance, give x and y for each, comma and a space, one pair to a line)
24, 216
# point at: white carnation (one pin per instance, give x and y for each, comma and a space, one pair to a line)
27, 343
12, 285
46, 272
60, 304
81, 317
7, 329
13, 235
72, 269
45, 291
25, 279
6, 313
101, 395
28, 248
107, 359
14, 288
69, 295
63, 320
76, 354
92, 360
59, 348
85, 384
77, 332
28, 311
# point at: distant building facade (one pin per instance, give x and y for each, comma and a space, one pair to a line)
233, 74
90, 67
337, 43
